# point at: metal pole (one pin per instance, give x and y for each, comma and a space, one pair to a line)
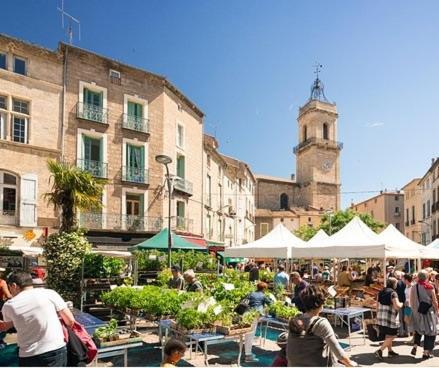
168, 180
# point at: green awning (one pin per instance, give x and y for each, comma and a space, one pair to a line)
214, 244
230, 259
160, 241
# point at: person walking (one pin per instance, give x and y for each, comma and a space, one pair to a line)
281, 279
424, 314
388, 307
34, 314
400, 290
311, 339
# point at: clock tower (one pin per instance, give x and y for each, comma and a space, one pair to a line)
318, 152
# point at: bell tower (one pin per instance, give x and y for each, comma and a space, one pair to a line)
318, 152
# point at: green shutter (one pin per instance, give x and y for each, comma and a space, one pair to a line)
139, 111
180, 167
142, 158
141, 205
86, 144
87, 96
131, 108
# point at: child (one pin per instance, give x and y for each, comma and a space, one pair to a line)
281, 357
174, 350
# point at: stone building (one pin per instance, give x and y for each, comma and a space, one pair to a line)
118, 118
316, 185
413, 210
30, 115
386, 207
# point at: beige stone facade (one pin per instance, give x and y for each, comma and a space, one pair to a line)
30, 115
413, 210
386, 207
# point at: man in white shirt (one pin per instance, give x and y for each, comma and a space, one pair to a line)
34, 314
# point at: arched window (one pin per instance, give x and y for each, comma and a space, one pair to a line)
325, 131
284, 201
8, 198
305, 133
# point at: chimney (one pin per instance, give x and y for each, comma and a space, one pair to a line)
293, 177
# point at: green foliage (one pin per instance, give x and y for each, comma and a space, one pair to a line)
248, 318
191, 318
305, 232
106, 332
73, 189
266, 276
280, 310
163, 277
341, 218
97, 265
150, 260
64, 253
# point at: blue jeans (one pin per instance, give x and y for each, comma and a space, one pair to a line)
54, 358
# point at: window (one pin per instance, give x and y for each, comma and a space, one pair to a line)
407, 215
135, 164
92, 156
428, 208
93, 98
209, 190
397, 225
115, 77
3, 61
396, 198
20, 106
209, 226
396, 210
325, 131
434, 228
181, 166
208, 161
135, 110
284, 201
8, 199
305, 133
423, 211
413, 214
434, 196
220, 230
19, 65
2, 126
180, 136
133, 204
3, 102
371, 213
264, 229
19, 129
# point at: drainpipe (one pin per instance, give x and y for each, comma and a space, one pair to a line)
63, 116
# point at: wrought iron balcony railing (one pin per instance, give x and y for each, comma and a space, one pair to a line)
91, 112
136, 123
106, 221
183, 185
135, 175
319, 141
96, 168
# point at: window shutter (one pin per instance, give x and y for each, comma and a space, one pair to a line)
131, 108
28, 200
86, 144
87, 97
139, 112
142, 158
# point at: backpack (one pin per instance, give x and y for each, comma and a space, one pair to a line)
304, 349
243, 306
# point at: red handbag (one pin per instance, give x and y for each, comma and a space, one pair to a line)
79, 331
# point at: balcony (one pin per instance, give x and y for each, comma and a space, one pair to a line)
136, 123
183, 185
320, 142
135, 175
105, 221
182, 224
91, 112
97, 168
8, 217
397, 214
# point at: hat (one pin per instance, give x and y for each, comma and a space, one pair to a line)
282, 338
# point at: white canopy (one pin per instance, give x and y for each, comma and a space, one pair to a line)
26, 250
112, 253
434, 244
278, 243
354, 240
398, 245
318, 237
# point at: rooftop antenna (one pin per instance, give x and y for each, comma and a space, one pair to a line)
71, 19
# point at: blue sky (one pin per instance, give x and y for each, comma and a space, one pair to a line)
248, 66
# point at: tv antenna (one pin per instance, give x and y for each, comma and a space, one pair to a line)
70, 20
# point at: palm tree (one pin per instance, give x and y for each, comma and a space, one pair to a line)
73, 189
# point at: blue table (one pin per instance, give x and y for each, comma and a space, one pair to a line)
200, 341
90, 323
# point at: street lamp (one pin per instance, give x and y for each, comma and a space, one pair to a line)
166, 160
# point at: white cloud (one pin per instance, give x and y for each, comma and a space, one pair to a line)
374, 125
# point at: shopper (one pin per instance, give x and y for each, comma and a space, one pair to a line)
192, 283
281, 279
34, 314
4, 295
424, 314
387, 317
281, 357
299, 285
253, 274
400, 291
345, 277
173, 351
407, 306
326, 275
311, 339
257, 300
177, 281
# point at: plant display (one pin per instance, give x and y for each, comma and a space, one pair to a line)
150, 260
64, 253
106, 333
191, 318
163, 277
98, 266
266, 276
248, 318
280, 310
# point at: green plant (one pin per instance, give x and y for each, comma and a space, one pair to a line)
163, 277
64, 253
280, 310
266, 276
248, 318
150, 260
97, 265
107, 332
73, 189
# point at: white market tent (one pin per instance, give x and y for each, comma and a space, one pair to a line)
278, 243
317, 238
27, 250
354, 240
398, 245
431, 251
434, 244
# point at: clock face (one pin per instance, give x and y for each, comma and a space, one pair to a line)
326, 165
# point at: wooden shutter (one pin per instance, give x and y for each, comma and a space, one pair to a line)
28, 200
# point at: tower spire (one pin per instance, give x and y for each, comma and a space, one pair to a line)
317, 88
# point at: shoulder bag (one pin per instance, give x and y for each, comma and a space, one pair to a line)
423, 307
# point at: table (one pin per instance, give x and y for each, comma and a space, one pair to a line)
116, 350
272, 322
200, 341
349, 313
90, 323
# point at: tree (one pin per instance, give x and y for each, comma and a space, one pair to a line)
305, 232
331, 223
73, 189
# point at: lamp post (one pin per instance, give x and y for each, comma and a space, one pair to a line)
166, 160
